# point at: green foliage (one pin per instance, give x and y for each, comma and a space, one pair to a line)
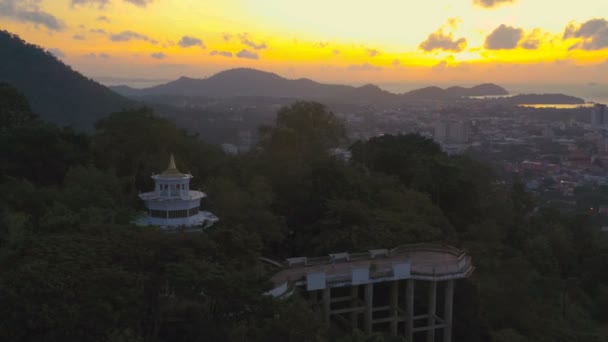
74, 269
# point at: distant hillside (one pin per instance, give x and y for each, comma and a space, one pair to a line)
55, 91
251, 82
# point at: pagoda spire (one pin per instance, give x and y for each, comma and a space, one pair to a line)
172, 169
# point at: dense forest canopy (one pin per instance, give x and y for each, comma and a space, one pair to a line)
74, 268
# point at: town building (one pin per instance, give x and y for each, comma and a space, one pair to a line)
172, 205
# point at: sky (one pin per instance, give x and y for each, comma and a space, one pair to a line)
141, 42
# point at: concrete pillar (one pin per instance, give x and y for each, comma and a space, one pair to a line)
394, 306
369, 305
326, 304
354, 300
432, 311
409, 304
449, 300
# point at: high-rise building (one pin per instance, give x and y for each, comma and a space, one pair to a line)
599, 115
172, 204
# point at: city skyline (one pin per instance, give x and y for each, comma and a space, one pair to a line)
467, 41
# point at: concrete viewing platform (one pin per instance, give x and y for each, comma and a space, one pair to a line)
418, 262
374, 291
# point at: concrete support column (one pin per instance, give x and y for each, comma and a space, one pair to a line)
409, 304
326, 304
369, 305
394, 306
354, 300
432, 311
449, 300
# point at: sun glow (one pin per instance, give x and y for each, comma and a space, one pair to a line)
326, 40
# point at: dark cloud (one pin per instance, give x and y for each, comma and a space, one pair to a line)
439, 40
57, 53
158, 55
104, 55
504, 37
79, 37
188, 41
227, 37
247, 54
99, 31
221, 53
491, 3
372, 52
246, 40
29, 12
364, 67
126, 36
103, 3
592, 34
103, 18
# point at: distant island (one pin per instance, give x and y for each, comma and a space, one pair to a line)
255, 83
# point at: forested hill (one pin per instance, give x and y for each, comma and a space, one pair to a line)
251, 82
55, 91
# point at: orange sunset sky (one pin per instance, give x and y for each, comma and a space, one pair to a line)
434, 41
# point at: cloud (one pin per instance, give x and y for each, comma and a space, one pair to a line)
321, 45
440, 40
99, 3
592, 34
139, 3
247, 54
57, 53
533, 40
29, 12
247, 41
188, 41
126, 36
103, 18
335, 51
364, 67
227, 37
454, 22
102, 3
78, 37
396, 63
100, 55
158, 55
491, 3
99, 31
221, 53
372, 52
504, 37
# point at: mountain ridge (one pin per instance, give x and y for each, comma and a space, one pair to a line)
253, 82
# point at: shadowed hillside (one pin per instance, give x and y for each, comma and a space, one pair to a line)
56, 92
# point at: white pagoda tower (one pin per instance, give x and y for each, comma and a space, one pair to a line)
172, 204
